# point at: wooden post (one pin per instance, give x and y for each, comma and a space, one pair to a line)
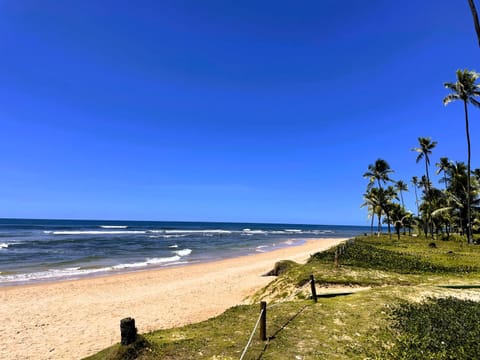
314, 289
336, 258
263, 321
128, 331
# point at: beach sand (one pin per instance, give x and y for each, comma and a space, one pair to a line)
74, 319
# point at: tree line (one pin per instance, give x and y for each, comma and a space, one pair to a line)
454, 208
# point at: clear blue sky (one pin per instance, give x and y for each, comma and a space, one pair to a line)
264, 111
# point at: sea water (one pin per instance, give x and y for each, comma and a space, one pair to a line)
51, 250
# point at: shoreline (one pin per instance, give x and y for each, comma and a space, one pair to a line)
294, 242
76, 318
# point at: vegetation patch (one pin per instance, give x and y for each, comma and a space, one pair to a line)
441, 328
363, 254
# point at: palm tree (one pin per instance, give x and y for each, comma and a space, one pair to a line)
379, 171
443, 165
424, 150
467, 90
387, 196
371, 200
401, 186
415, 184
476, 23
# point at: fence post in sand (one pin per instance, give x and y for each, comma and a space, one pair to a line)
336, 258
314, 289
263, 321
128, 331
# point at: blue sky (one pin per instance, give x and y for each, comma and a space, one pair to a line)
263, 111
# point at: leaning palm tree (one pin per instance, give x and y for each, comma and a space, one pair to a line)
401, 186
379, 171
465, 89
443, 166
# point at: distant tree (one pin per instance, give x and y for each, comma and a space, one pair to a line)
415, 184
424, 150
401, 186
379, 172
442, 166
377, 198
466, 90
399, 218
372, 202
388, 195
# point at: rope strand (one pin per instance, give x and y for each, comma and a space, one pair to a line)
251, 335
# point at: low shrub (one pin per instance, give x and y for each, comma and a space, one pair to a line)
438, 328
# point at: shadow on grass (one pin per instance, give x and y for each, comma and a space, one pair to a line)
270, 338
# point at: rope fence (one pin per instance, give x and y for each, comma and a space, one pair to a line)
262, 312
129, 331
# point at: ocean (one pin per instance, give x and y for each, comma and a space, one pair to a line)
50, 250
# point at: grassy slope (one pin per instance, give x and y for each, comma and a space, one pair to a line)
356, 326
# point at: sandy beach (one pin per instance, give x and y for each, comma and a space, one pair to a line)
74, 319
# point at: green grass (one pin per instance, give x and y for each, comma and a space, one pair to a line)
438, 328
364, 325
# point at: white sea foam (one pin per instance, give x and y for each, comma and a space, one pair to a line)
252, 232
207, 231
76, 271
4, 245
183, 252
152, 261
114, 226
173, 246
95, 232
297, 231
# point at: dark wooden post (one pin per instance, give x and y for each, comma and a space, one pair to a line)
263, 321
314, 289
128, 331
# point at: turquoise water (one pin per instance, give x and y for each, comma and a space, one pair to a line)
51, 250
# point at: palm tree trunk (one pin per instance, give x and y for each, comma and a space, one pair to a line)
371, 224
416, 201
379, 216
469, 219
475, 19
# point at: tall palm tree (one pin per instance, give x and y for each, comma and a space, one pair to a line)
401, 186
424, 150
379, 171
476, 23
415, 184
465, 89
443, 166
